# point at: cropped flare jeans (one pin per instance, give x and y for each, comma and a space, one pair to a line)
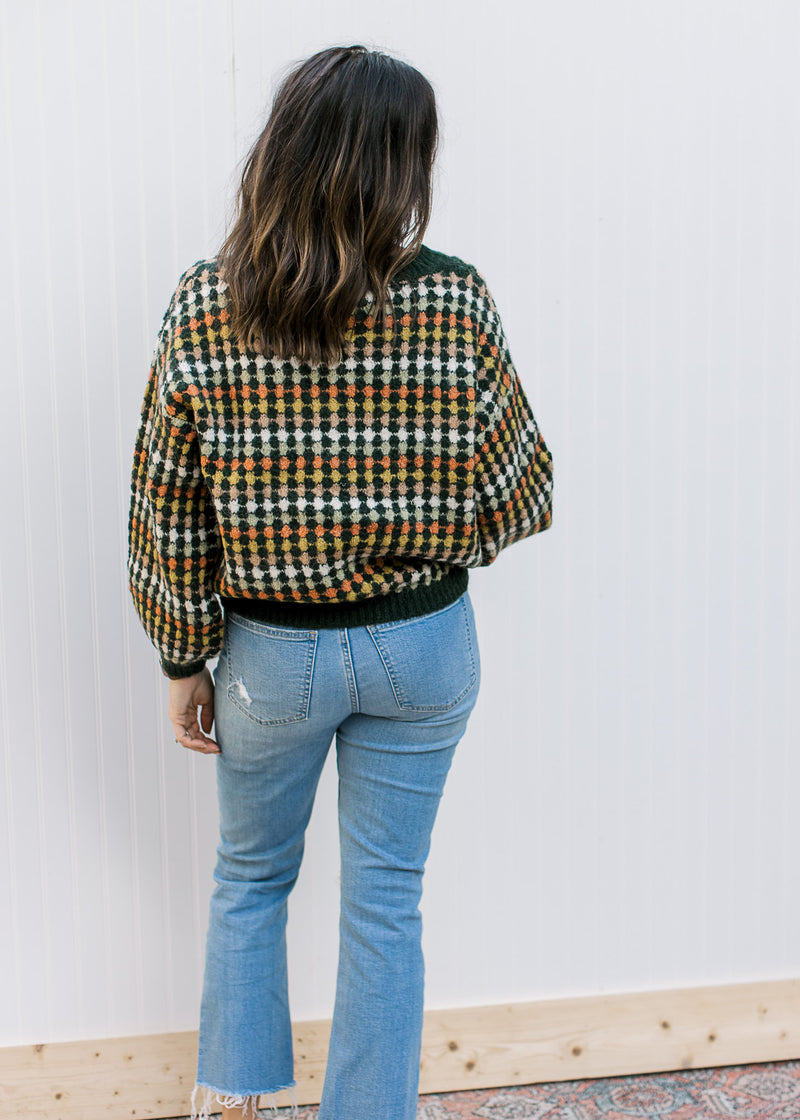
396, 697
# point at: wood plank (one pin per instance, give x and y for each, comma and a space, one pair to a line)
462, 1048
606, 1036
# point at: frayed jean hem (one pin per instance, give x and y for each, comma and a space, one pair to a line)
203, 1102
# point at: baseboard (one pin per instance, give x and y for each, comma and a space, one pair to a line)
463, 1048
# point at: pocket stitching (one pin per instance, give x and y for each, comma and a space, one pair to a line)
305, 695
395, 683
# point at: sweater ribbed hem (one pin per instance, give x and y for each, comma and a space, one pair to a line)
409, 603
178, 672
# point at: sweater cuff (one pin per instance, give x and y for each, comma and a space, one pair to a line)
177, 672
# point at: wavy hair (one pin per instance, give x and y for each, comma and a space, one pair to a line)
334, 200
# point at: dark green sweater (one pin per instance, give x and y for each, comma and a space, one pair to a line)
328, 496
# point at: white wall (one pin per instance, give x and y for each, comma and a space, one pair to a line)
622, 814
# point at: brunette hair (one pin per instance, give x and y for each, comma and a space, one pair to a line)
335, 198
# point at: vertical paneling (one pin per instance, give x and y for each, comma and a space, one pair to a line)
620, 815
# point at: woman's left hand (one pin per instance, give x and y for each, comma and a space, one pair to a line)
185, 697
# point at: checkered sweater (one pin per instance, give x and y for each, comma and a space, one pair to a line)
328, 495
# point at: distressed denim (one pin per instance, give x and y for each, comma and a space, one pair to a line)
396, 697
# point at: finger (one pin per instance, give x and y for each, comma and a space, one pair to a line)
187, 737
195, 732
207, 716
189, 723
200, 745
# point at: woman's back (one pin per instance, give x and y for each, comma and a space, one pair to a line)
339, 494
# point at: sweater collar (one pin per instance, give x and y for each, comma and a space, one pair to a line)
421, 265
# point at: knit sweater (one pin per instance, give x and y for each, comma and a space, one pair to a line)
328, 496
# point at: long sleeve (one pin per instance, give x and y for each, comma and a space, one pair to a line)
174, 547
514, 468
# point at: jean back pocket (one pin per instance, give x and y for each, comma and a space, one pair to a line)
270, 670
432, 661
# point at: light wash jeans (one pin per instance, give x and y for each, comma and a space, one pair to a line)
397, 697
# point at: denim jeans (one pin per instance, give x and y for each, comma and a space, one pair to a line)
397, 697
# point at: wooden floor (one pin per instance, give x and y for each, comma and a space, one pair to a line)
769, 1091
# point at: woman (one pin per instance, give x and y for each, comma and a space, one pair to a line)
333, 433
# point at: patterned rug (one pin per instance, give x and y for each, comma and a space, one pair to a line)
769, 1091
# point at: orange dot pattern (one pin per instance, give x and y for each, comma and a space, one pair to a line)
259, 478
